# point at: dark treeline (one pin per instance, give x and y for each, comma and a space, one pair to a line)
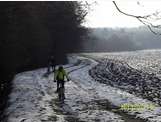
33, 31
121, 39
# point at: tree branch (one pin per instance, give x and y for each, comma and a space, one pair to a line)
143, 19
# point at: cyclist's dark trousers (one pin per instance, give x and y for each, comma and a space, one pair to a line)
60, 83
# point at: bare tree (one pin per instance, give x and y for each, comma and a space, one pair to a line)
148, 20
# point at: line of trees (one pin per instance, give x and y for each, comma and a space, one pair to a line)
33, 31
120, 39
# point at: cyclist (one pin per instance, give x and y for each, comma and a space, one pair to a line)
59, 77
51, 64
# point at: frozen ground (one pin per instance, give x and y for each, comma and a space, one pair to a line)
33, 98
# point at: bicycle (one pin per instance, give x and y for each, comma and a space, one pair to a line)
61, 93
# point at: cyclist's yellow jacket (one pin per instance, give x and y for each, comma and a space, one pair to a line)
60, 75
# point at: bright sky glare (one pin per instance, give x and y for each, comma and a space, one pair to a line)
104, 13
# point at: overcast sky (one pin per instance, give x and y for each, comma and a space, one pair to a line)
104, 13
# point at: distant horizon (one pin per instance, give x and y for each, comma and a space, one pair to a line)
143, 26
